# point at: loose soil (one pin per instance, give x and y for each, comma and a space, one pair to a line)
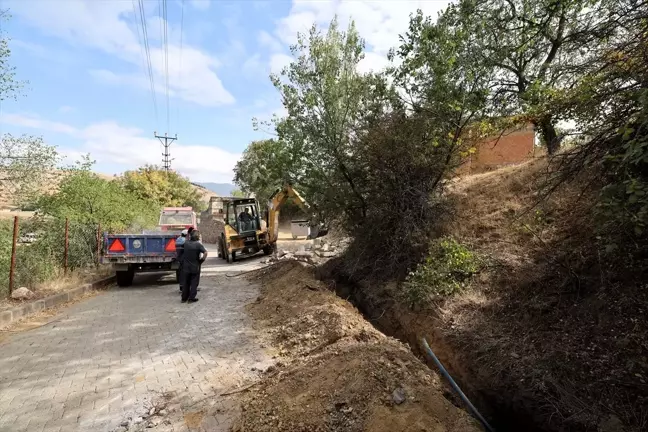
336, 372
548, 337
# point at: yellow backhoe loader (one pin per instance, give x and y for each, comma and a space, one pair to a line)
246, 232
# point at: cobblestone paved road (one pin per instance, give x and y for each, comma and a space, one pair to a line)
103, 360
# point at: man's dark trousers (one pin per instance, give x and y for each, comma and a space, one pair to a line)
190, 285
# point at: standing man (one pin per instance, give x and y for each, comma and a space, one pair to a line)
191, 262
189, 231
180, 242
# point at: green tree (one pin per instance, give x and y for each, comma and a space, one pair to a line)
151, 183
369, 159
610, 106
326, 98
532, 48
25, 164
9, 86
238, 193
264, 167
25, 161
85, 197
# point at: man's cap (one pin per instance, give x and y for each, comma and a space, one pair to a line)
184, 232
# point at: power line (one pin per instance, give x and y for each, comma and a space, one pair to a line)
144, 64
180, 66
147, 49
166, 57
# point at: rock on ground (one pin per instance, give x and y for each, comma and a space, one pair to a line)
22, 293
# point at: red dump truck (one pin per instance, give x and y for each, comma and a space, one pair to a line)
177, 219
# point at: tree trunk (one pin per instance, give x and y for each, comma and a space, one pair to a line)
549, 135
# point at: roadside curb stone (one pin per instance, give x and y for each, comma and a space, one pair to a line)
11, 315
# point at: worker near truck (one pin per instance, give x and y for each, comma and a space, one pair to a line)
192, 258
179, 246
189, 231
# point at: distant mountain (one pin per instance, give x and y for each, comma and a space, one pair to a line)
222, 189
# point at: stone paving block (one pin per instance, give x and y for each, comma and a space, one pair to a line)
111, 353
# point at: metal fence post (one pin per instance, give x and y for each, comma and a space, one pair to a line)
65, 252
13, 255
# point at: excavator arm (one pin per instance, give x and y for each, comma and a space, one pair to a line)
277, 200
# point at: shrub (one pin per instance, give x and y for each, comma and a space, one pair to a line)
446, 270
43, 260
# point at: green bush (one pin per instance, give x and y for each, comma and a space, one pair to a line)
43, 260
446, 270
33, 265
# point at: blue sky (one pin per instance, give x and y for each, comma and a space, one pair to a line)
89, 89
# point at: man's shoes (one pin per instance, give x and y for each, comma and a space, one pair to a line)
184, 301
192, 300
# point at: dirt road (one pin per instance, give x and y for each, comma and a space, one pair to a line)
105, 363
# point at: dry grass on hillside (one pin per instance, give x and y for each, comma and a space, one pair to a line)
550, 336
550, 324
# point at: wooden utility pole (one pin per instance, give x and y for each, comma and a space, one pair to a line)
67, 244
98, 244
166, 154
13, 255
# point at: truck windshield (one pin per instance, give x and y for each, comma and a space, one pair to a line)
176, 219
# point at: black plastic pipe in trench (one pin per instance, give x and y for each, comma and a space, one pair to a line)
455, 387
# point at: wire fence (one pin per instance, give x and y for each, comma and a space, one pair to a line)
33, 250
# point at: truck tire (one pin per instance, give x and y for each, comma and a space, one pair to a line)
125, 278
222, 252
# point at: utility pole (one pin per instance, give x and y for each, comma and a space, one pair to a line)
166, 142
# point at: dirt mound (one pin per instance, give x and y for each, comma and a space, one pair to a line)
210, 228
342, 374
302, 314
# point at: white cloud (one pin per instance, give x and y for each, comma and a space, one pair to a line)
128, 147
34, 122
64, 109
378, 22
279, 61
253, 66
105, 26
200, 4
268, 41
372, 62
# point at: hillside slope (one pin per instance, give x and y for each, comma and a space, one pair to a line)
50, 186
549, 336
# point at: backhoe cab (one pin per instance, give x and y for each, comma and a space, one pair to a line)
247, 233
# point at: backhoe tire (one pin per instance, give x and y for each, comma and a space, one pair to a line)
125, 278
267, 250
233, 256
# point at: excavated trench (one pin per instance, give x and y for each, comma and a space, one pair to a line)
504, 413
